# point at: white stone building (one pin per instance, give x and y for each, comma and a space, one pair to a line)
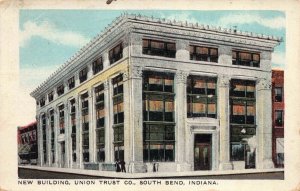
184, 96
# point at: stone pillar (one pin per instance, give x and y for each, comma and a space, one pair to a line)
91, 126
76, 78
108, 124
265, 61
264, 124
127, 114
125, 44
40, 137
111, 122
225, 55
224, 112
180, 119
48, 139
105, 60
135, 132
136, 44
79, 134
182, 50
67, 134
56, 130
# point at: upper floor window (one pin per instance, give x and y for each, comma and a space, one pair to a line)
242, 88
83, 75
118, 105
278, 94
203, 53
50, 96
97, 65
116, 53
100, 110
60, 90
245, 58
159, 48
61, 119
279, 118
71, 83
162, 82
42, 102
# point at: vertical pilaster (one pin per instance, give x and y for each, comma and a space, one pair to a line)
136, 44
40, 137
92, 125
48, 137
108, 124
127, 114
56, 133
105, 60
136, 120
67, 134
79, 133
182, 50
225, 55
224, 112
180, 117
264, 124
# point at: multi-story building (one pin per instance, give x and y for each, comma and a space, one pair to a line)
186, 96
278, 117
27, 144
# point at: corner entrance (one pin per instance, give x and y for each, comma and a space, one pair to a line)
202, 152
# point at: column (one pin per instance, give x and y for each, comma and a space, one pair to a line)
225, 55
48, 137
136, 44
224, 112
92, 132
40, 137
56, 133
180, 117
67, 134
108, 124
79, 133
264, 124
182, 52
135, 131
105, 60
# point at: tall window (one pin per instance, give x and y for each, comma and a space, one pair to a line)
279, 118
52, 135
83, 75
71, 82
116, 53
97, 65
50, 96
158, 109
85, 126
73, 126
61, 119
42, 102
100, 118
118, 111
159, 48
44, 138
201, 97
245, 58
242, 121
203, 53
60, 90
278, 94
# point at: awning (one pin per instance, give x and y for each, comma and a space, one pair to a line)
279, 145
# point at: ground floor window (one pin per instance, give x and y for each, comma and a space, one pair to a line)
74, 157
100, 144
280, 151
119, 142
85, 147
159, 142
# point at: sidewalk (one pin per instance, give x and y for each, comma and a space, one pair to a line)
154, 175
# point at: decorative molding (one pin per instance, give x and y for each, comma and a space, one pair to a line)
125, 76
224, 80
137, 72
106, 84
181, 76
264, 84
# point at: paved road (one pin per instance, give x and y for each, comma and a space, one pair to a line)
38, 174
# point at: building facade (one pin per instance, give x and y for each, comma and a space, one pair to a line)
28, 144
185, 96
278, 117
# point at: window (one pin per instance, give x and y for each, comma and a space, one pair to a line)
52, 135
50, 96
71, 83
44, 138
83, 75
242, 88
278, 94
203, 54
85, 126
280, 152
73, 126
201, 97
97, 65
279, 118
42, 102
159, 48
61, 119
242, 112
159, 143
245, 58
116, 53
100, 120
119, 142
60, 90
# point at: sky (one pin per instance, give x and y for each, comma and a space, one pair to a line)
48, 38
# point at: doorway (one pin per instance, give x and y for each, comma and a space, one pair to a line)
202, 152
62, 154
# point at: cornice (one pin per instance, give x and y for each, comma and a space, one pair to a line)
132, 22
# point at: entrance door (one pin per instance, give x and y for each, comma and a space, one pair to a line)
62, 154
202, 152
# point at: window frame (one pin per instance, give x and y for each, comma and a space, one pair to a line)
97, 65
163, 52
277, 124
71, 82
83, 74
60, 89
281, 95
200, 57
248, 63
115, 56
50, 96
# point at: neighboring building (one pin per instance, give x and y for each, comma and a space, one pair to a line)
278, 117
147, 90
27, 144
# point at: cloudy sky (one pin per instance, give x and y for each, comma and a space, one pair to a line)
49, 37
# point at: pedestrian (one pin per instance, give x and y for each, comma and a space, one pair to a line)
122, 163
118, 169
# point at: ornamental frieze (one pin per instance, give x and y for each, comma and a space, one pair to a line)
264, 84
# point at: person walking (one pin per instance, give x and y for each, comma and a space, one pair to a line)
118, 169
122, 163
